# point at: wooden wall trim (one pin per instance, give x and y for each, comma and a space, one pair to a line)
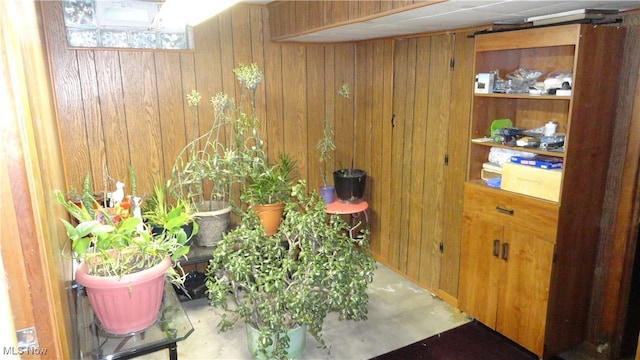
31, 248
295, 18
620, 218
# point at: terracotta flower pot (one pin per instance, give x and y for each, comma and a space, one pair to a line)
270, 216
127, 304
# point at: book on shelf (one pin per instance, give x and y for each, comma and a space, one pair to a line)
493, 167
599, 15
541, 161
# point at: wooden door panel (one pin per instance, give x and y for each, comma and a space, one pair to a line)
479, 267
524, 288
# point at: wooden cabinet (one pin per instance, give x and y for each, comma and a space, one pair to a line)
507, 265
527, 264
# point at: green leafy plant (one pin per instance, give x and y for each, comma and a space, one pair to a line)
271, 185
326, 144
160, 213
201, 170
309, 268
113, 243
230, 152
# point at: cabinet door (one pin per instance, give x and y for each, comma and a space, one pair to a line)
479, 269
524, 288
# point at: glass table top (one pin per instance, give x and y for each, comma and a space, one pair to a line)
171, 326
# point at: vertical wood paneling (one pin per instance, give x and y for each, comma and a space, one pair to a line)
330, 98
207, 80
339, 11
363, 109
439, 101
315, 112
273, 88
402, 3
386, 130
188, 82
142, 119
294, 142
228, 55
68, 88
400, 65
256, 23
368, 8
92, 113
115, 142
292, 18
346, 126
307, 15
386, 5
457, 133
241, 22
406, 154
417, 170
170, 107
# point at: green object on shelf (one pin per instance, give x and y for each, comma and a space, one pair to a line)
499, 124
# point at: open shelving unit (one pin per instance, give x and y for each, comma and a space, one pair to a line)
527, 264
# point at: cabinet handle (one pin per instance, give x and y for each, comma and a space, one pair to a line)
505, 251
496, 247
504, 211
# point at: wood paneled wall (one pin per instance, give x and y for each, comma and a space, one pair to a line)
121, 107
294, 18
424, 158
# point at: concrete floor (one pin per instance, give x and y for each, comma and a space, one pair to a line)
400, 313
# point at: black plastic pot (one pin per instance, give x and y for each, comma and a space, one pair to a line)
350, 184
188, 229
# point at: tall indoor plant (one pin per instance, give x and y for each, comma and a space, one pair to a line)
231, 155
123, 265
293, 279
201, 173
327, 146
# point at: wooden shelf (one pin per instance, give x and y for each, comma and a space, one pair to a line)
524, 149
524, 96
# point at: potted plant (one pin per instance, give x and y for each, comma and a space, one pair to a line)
326, 145
267, 190
230, 153
201, 174
160, 214
290, 281
122, 264
350, 184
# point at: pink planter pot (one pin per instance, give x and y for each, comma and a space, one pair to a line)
128, 304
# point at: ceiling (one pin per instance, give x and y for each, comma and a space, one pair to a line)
454, 14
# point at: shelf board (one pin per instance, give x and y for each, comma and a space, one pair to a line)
518, 148
524, 96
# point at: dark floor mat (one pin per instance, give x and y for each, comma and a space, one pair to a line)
472, 341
